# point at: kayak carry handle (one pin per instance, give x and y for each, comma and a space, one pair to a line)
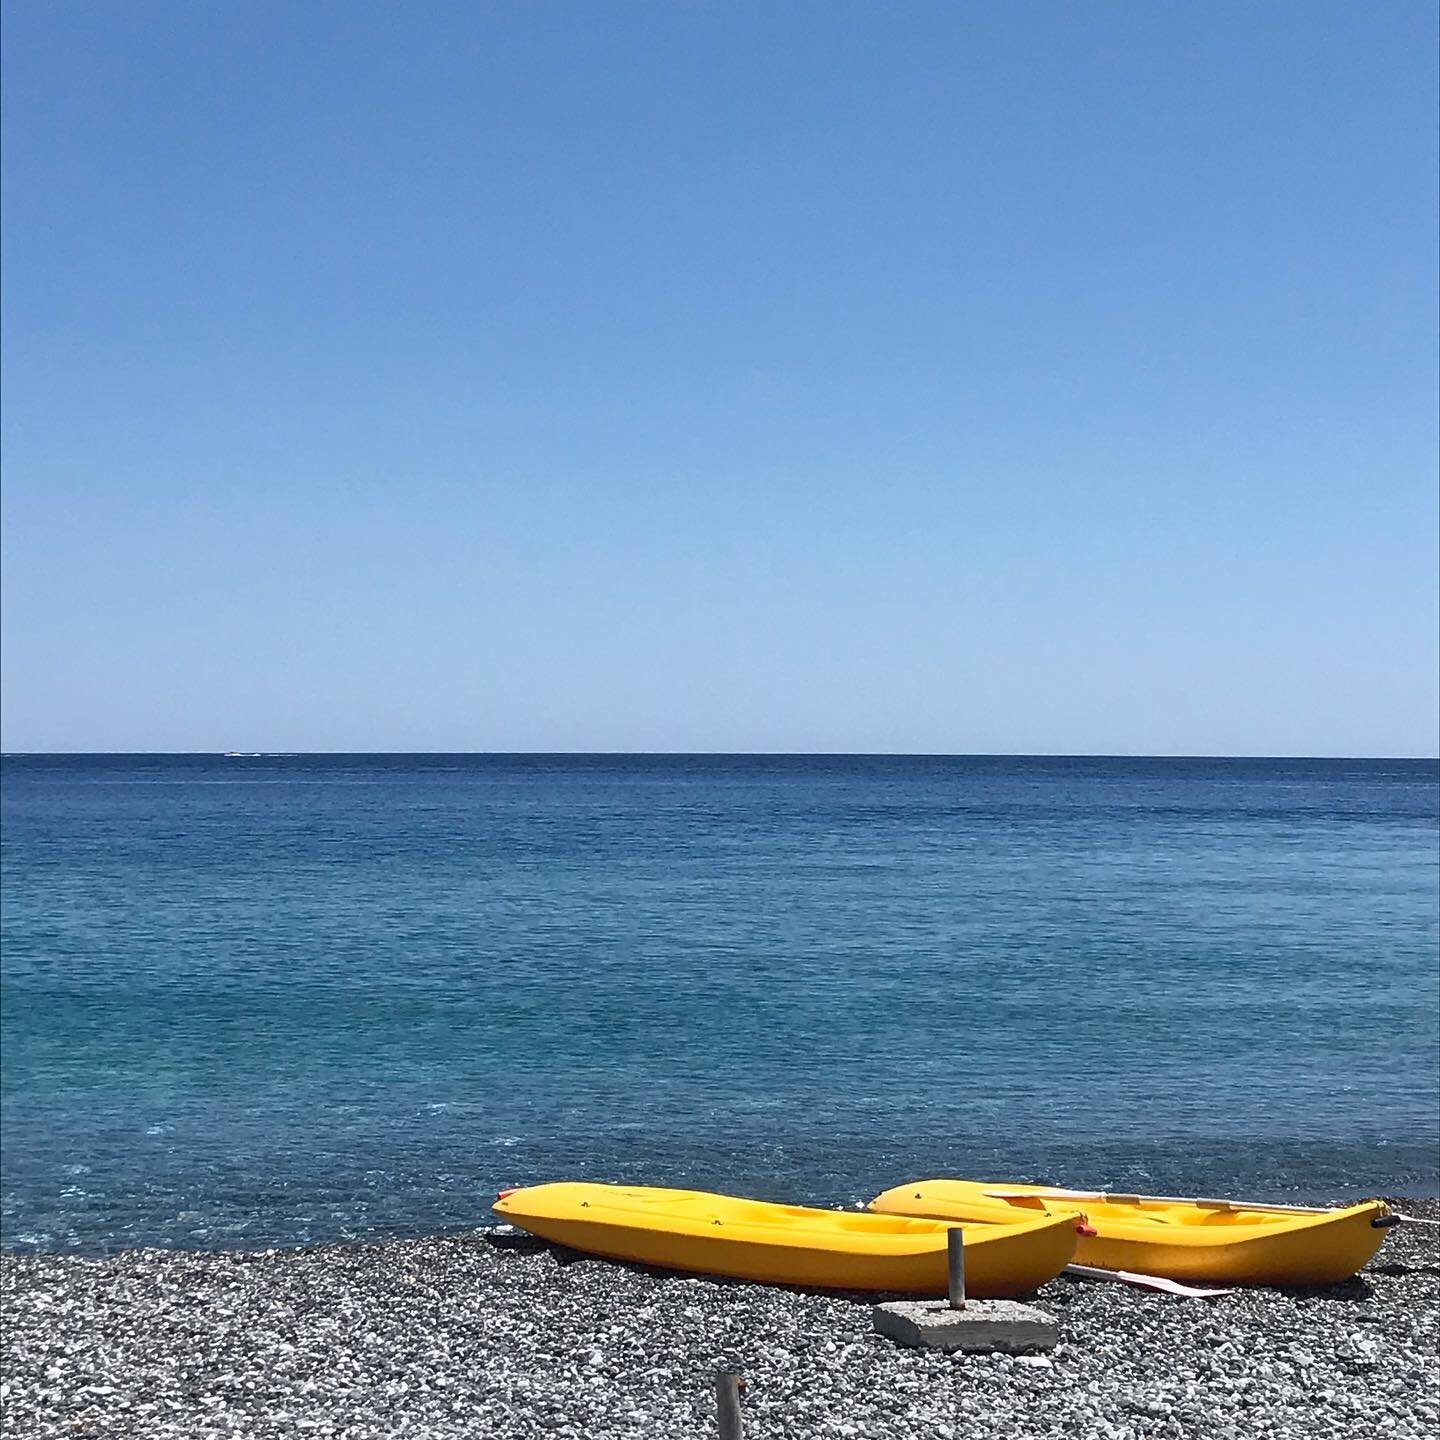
1384, 1222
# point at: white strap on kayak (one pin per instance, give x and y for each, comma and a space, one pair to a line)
1114, 1197
999, 1192
1201, 1202
1147, 1282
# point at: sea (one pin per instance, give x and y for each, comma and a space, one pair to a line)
265, 1000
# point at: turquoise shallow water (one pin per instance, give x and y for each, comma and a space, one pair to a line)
258, 1000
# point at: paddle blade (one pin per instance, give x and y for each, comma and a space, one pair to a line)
1146, 1282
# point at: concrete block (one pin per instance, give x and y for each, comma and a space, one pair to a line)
983, 1325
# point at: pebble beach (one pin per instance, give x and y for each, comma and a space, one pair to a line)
491, 1333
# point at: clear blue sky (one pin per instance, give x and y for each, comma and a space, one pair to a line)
695, 376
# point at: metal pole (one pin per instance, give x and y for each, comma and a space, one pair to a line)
955, 1253
727, 1394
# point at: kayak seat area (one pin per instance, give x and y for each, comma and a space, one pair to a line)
863, 1221
1129, 1214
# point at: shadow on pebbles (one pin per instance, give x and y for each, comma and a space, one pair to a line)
489, 1335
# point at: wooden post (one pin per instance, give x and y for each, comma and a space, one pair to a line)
955, 1253
727, 1394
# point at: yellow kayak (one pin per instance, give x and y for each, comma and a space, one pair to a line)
709, 1234
1181, 1239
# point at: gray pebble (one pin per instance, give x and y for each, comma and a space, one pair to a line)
494, 1335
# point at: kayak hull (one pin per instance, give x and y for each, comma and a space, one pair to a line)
1190, 1241
706, 1234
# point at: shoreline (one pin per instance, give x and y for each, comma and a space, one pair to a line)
485, 1333
27, 1245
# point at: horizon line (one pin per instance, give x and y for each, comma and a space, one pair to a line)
704, 754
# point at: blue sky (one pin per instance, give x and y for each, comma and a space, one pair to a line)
685, 376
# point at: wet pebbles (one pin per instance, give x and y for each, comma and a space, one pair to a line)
483, 1335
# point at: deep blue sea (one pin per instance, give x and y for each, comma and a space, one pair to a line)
276, 999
